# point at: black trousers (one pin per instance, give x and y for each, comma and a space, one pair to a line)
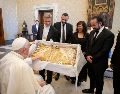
96, 74
116, 78
83, 74
49, 75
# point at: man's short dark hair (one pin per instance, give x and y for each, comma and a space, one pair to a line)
64, 14
37, 20
99, 19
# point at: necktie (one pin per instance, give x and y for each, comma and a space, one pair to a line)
63, 34
96, 33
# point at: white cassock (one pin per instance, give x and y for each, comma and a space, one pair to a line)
17, 77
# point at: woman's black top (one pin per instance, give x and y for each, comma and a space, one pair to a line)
81, 41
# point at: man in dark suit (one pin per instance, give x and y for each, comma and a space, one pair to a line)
99, 44
115, 61
46, 32
35, 29
64, 27
64, 34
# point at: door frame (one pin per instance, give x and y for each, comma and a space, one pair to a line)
46, 7
2, 41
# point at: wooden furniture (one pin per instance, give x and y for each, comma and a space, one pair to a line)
2, 41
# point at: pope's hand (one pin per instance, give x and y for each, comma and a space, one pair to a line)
38, 56
36, 42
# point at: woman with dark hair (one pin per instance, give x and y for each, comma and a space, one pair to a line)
80, 37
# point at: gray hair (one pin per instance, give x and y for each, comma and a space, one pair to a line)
47, 15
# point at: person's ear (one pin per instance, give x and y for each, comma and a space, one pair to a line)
100, 23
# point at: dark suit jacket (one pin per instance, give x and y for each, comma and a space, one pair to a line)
34, 29
115, 60
51, 33
116, 54
69, 32
100, 48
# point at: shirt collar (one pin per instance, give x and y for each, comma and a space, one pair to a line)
100, 30
62, 24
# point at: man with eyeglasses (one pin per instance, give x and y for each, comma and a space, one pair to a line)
46, 32
64, 32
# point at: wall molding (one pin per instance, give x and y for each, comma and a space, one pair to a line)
54, 7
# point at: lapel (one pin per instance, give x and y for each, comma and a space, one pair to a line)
92, 37
49, 33
41, 31
59, 25
59, 28
98, 37
67, 30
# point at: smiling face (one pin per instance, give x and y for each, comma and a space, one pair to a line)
80, 28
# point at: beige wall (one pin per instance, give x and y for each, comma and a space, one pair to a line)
77, 10
9, 13
1, 3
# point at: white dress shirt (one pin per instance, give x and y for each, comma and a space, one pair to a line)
100, 30
36, 26
45, 32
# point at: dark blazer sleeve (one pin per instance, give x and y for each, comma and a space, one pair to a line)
74, 38
39, 33
116, 52
32, 28
70, 36
88, 45
55, 25
57, 32
54, 34
86, 42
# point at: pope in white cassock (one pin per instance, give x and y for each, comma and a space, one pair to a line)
16, 76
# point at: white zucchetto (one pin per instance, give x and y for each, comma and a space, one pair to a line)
18, 43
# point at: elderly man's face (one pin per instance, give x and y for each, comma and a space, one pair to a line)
47, 21
25, 50
27, 46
